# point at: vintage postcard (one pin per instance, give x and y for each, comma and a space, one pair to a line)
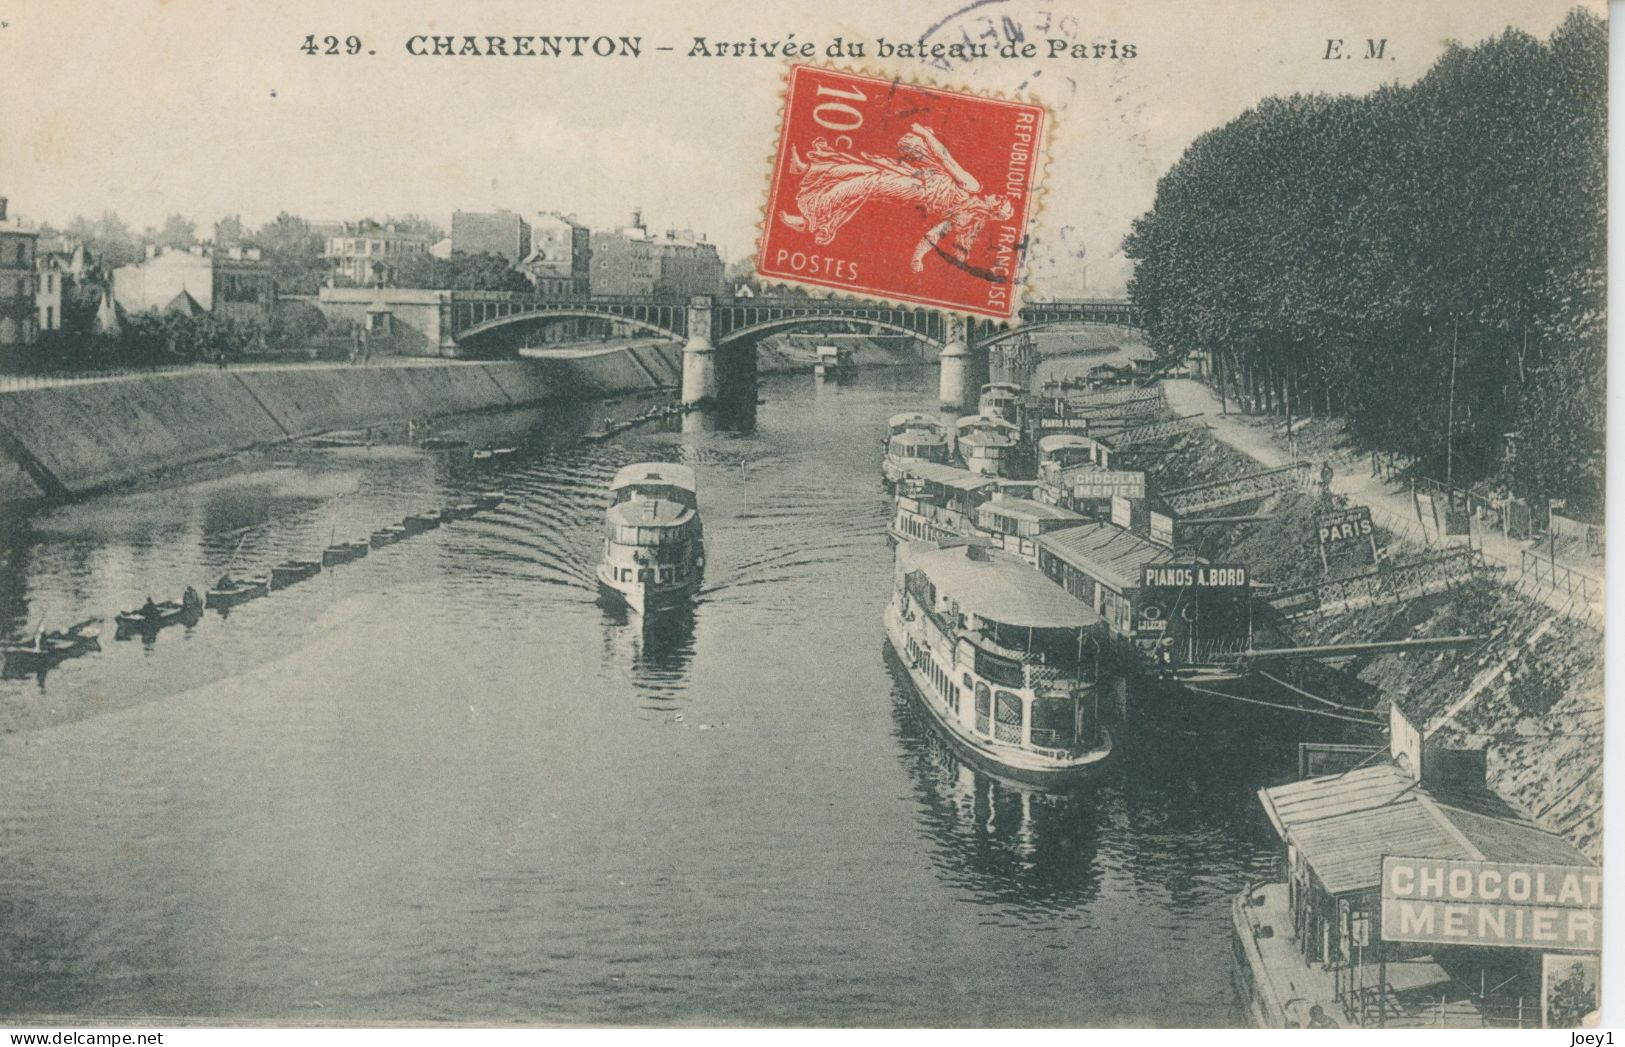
1019, 513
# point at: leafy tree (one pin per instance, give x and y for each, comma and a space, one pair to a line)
294, 252
178, 231
462, 272
1425, 260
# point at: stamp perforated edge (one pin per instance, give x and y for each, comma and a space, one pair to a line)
1038, 191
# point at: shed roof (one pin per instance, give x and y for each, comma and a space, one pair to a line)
1027, 509
1105, 552
1344, 824
950, 476
997, 586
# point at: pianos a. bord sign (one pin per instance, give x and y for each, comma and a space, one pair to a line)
1498, 904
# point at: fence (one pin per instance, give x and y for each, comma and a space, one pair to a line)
1389, 583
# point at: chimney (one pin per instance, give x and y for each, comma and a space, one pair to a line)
637, 217
2, 209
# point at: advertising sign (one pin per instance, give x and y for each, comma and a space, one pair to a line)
1162, 529
1193, 576
1152, 620
1122, 512
1106, 483
1063, 425
1345, 525
1346, 535
1497, 904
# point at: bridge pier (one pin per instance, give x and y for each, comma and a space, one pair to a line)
699, 356
954, 366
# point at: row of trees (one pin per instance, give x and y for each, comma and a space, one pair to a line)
1427, 261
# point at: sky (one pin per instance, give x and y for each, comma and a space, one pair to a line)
209, 108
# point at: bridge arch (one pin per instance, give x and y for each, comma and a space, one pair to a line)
985, 340
784, 322
536, 315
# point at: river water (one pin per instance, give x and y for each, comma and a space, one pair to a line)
442, 783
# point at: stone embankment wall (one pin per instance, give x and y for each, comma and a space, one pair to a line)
68, 439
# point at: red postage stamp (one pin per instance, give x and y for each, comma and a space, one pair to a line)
908, 193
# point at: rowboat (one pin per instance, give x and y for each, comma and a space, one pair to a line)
229, 591
386, 536
343, 552
460, 511
489, 499
417, 523
443, 443
288, 572
48, 648
150, 617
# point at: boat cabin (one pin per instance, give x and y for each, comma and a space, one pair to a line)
1063, 450
936, 501
833, 359
1003, 400
988, 445
1018, 658
652, 527
1014, 524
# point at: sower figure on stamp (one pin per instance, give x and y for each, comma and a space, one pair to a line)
835, 186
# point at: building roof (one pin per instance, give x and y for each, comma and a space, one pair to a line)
654, 473
1105, 552
1027, 509
997, 586
949, 476
185, 304
1056, 441
1344, 824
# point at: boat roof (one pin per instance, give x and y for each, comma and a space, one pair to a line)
1028, 509
1105, 552
667, 473
1344, 824
985, 420
1056, 441
950, 476
919, 436
913, 418
650, 512
998, 586
1014, 388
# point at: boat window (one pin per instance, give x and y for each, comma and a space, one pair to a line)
1054, 722
1007, 717
999, 670
645, 574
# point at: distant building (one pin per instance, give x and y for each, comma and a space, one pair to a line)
235, 283
501, 233
19, 319
632, 261
559, 263
686, 265
441, 248
48, 291
362, 254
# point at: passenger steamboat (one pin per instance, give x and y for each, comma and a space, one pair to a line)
1004, 661
911, 438
654, 549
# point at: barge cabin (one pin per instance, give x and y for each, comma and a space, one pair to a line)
1005, 663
